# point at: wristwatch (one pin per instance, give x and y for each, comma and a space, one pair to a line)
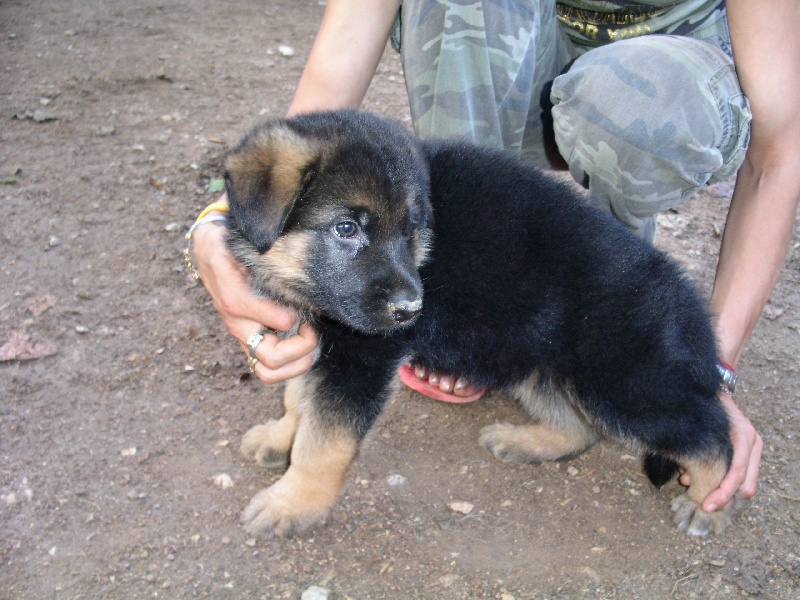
727, 378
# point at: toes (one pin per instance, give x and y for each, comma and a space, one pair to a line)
282, 510
692, 519
265, 446
500, 441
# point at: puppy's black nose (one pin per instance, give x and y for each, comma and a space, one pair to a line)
405, 310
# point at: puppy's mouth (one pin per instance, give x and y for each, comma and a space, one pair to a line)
395, 317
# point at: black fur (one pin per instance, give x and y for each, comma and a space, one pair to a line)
529, 277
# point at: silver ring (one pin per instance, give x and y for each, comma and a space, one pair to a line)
256, 338
253, 342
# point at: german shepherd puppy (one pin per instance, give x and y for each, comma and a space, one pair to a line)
465, 261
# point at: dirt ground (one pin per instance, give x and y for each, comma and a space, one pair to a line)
133, 399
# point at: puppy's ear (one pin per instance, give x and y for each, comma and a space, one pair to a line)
264, 176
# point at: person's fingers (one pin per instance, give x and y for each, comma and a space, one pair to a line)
285, 372
726, 490
743, 473
274, 353
750, 485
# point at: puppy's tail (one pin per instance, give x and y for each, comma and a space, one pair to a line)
659, 469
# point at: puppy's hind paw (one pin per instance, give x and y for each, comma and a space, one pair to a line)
532, 443
506, 444
690, 517
268, 445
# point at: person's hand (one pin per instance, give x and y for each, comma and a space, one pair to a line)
742, 476
245, 314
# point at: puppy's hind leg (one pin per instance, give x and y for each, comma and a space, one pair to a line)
269, 444
559, 433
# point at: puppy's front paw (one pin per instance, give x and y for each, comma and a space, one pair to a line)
268, 444
289, 506
690, 517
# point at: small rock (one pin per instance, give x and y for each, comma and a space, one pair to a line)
172, 227
395, 480
41, 116
81, 329
572, 471
224, 481
461, 507
9, 499
226, 540
105, 131
773, 312
717, 562
54, 241
286, 51
128, 451
315, 593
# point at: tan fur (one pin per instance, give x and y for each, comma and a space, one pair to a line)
288, 257
532, 443
269, 171
283, 269
281, 153
553, 405
269, 444
561, 431
320, 457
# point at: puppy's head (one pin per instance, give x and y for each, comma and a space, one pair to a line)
330, 213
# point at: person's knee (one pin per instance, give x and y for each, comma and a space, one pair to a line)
647, 122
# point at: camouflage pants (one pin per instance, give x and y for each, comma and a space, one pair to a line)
646, 121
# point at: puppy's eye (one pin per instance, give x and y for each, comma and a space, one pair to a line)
346, 229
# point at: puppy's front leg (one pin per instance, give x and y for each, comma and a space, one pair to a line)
321, 452
303, 496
